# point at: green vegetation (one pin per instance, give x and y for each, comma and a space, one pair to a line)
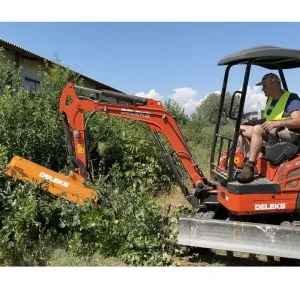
38, 229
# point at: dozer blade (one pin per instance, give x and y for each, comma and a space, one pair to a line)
246, 237
67, 187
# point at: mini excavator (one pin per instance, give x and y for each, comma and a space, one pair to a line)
260, 217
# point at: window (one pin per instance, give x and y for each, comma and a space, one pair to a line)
31, 84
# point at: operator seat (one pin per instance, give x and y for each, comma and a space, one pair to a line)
276, 151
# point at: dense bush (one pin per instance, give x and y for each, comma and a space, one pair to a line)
129, 145
127, 168
130, 226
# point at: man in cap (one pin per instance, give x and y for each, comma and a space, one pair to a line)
282, 110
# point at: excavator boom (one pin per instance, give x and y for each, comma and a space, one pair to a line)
148, 111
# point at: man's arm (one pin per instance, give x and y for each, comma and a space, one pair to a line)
293, 122
293, 111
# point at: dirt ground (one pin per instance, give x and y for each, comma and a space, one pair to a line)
173, 201
223, 258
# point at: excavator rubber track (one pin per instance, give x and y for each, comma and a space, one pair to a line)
256, 238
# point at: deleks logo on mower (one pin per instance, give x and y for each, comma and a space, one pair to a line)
54, 180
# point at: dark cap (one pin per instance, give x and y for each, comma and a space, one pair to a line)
270, 77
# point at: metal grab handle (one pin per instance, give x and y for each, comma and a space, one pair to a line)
231, 105
117, 95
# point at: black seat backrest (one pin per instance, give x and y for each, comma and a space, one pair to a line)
277, 153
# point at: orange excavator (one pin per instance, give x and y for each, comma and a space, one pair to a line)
260, 217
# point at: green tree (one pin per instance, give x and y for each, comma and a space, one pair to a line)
177, 111
208, 109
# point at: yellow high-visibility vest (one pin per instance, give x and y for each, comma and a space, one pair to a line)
278, 109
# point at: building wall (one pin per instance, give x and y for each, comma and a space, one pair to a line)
29, 68
10, 55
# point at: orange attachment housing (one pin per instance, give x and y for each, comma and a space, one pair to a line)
68, 187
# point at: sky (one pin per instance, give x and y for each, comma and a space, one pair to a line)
160, 60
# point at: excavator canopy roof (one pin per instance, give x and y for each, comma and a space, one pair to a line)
269, 57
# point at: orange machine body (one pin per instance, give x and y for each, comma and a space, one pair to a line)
287, 175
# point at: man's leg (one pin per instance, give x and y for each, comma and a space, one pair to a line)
244, 140
247, 174
288, 136
256, 142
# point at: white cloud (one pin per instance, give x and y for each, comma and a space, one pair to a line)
254, 95
190, 106
151, 94
185, 97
